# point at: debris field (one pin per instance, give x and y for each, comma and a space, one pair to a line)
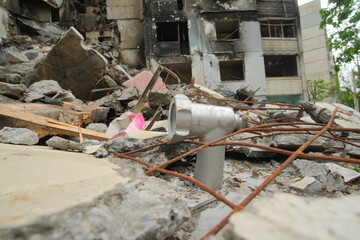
121, 175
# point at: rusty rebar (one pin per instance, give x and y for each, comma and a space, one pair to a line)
182, 176
268, 180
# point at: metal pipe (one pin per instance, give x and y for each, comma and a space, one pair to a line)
210, 123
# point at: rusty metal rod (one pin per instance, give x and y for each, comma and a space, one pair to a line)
268, 180
182, 176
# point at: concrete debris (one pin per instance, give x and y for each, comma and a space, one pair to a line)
64, 144
304, 183
12, 55
126, 144
21, 136
47, 88
12, 90
294, 141
79, 70
212, 216
98, 127
334, 182
54, 83
113, 100
285, 216
4, 99
352, 150
48, 32
311, 169
13, 78
157, 99
347, 174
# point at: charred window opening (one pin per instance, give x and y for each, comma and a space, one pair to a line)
180, 4
39, 10
227, 29
232, 70
182, 70
277, 28
174, 32
280, 66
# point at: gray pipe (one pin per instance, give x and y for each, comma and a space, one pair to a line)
209, 122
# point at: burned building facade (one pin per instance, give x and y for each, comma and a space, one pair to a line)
229, 44
225, 44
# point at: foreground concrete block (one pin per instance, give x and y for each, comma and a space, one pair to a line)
285, 216
49, 194
73, 65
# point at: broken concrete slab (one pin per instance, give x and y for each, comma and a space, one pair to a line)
212, 216
13, 78
21, 136
113, 100
294, 141
48, 88
352, 151
157, 99
12, 55
64, 144
141, 80
347, 174
46, 181
48, 32
311, 169
73, 65
308, 184
285, 216
12, 90
98, 127
33, 54
124, 144
88, 197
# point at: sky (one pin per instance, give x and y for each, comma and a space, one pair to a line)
324, 3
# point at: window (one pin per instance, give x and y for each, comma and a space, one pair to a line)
278, 28
280, 66
227, 29
174, 32
232, 70
180, 4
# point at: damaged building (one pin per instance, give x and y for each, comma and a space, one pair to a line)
224, 44
221, 44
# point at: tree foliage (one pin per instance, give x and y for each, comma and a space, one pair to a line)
344, 18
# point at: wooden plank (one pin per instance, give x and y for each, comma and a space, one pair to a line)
51, 125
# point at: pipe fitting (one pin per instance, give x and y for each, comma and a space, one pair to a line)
209, 122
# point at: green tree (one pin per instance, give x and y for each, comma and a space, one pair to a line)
343, 17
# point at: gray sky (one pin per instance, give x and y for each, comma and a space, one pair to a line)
323, 2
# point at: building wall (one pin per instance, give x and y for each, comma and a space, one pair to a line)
317, 58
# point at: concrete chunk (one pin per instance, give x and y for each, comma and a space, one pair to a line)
285, 216
73, 65
347, 174
12, 55
12, 90
21, 136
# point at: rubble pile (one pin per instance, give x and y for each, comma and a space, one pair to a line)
70, 93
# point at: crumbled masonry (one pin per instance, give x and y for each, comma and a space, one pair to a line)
89, 110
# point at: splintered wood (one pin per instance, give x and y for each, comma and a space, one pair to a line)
47, 126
